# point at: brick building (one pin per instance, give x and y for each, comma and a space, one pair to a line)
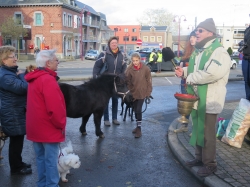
56, 24
128, 35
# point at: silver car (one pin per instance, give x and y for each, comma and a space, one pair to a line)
92, 55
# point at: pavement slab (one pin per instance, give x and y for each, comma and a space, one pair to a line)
233, 163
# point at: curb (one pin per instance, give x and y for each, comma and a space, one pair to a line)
182, 154
65, 78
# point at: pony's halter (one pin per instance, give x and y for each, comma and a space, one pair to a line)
121, 93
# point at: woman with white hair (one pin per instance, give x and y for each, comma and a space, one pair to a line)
46, 116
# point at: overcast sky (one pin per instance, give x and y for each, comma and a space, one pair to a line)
126, 12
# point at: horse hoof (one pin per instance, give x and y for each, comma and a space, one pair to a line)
102, 136
84, 133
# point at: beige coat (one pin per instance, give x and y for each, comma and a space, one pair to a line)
139, 81
215, 74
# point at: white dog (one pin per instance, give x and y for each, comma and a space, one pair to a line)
67, 160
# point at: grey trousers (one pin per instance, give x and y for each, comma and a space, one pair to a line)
207, 154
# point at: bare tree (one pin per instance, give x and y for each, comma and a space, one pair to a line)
159, 17
13, 29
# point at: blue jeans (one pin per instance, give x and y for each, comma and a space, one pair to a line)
245, 71
46, 160
114, 109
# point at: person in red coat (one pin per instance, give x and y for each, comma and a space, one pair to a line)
46, 116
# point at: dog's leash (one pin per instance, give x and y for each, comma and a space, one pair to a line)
60, 154
147, 101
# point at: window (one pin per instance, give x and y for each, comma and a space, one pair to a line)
69, 20
125, 38
20, 43
145, 39
159, 39
219, 31
37, 42
64, 19
18, 18
133, 30
38, 18
152, 39
126, 30
69, 43
134, 38
7, 41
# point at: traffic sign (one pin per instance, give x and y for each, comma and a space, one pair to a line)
139, 42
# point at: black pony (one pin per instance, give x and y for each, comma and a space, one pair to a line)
91, 98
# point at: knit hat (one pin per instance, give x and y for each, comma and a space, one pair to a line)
192, 34
208, 24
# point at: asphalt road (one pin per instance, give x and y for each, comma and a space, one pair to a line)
119, 159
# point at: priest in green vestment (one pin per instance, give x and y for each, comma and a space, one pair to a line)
207, 76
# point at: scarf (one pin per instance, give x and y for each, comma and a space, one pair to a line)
201, 44
137, 67
198, 116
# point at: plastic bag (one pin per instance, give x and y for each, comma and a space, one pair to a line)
238, 125
222, 127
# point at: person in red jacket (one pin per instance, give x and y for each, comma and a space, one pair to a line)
46, 116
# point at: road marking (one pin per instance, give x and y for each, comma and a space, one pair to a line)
168, 80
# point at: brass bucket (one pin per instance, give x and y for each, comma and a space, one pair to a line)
185, 105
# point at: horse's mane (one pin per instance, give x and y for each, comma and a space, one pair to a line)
102, 81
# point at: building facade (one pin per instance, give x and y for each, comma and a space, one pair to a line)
230, 36
56, 24
128, 35
156, 37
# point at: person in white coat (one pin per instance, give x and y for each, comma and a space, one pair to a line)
207, 76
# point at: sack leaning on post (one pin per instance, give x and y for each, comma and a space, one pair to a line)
238, 125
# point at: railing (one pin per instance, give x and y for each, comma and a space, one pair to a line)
238, 36
90, 38
93, 22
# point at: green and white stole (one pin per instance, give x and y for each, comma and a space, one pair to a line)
198, 116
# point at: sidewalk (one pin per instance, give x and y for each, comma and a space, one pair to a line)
233, 163
235, 75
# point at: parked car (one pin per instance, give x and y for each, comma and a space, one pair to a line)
236, 54
92, 55
233, 64
165, 65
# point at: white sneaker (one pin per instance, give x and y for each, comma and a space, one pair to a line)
181, 129
116, 122
107, 123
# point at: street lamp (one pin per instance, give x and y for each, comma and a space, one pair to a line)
125, 38
88, 13
179, 22
116, 29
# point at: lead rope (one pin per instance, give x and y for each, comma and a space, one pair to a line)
60, 154
147, 101
121, 93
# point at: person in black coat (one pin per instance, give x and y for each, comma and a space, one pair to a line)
13, 93
116, 63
